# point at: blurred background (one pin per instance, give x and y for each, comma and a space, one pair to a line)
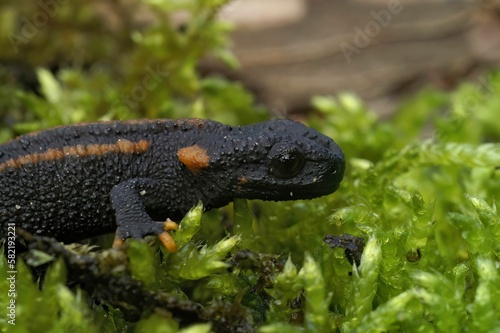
72, 60
381, 50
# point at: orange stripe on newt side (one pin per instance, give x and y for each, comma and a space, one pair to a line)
194, 158
122, 146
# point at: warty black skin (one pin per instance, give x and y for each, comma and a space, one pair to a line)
73, 197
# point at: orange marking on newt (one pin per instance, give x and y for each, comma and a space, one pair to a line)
51, 154
81, 150
170, 225
23, 160
9, 164
117, 242
194, 158
168, 242
125, 146
122, 146
93, 150
243, 180
142, 146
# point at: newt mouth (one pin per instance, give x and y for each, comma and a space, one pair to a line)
286, 192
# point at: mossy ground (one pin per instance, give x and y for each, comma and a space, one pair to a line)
421, 189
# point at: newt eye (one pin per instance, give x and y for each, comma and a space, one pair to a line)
287, 164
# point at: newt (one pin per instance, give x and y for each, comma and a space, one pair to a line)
130, 177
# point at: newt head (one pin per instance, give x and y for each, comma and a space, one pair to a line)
285, 160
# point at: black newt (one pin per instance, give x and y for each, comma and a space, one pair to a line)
74, 182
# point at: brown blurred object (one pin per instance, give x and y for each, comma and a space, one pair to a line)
380, 50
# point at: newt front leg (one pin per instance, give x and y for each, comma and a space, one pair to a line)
131, 217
